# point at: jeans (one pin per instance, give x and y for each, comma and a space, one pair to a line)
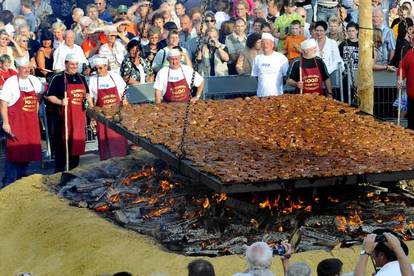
323, 14
13, 171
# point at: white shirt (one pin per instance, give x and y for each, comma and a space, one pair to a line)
330, 55
105, 83
175, 75
115, 55
270, 71
390, 269
11, 90
62, 51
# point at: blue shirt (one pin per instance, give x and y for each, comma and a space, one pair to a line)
106, 16
388, 41
31, 21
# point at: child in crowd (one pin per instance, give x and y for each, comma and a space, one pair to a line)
293, 40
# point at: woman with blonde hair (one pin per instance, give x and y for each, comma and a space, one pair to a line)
22, 51
5, 49
380, 58
58, 30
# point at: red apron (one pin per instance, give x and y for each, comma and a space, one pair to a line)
312, 79
24, 123
111, 144
178, 91
76, 93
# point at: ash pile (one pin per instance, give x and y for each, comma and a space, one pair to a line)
144, 195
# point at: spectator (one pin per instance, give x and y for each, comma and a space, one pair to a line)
222, 12
103, 12
235, 43
380, 58
188, 32
259, 260
179, 9
28, 14
349, 49
209, 21
335, 30
150, 50
407, 71
23, 50
161, 59
389, 255
77, 14
158, 21
107, 89
44, 56
196, 17
243, 11
388, 40
273, 10
122, 14
270, 68
306, 6
330, 267
308, 73
134, 69
124, 36
69, 47
93, 14
298, 269
257, 24
259, 11
226, 29
293, 41
173, 83
5, 69
139, 12
303, 13
58, 30
328, 49
403, 43
267, 28
213, 56
326, 9
33, 44
82, 32
247, 56
62, 9
200, 267
5, 49
95, 38
19, 99
113, 50
283, 22
41, 9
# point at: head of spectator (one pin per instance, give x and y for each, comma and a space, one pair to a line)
186, 24
24, 30
257, 24
330, 267
289, 6
154, 35
26, 7
46, 39
377, 38
320, 30
403, 12
227, 28
259, 10
100, 5
174, 58
200, 267
58, 30
101, 65
143, 8
158, 21
6, 16
165, 10
70, 38
4, 39
92, 12
169, 26
266, 28
298, 269
173, 39
382, 253
122, 12
377, 17
141, 27
111, 34
5, 62
240, 27
352, 30
408, 5
71, 64
334, 25
253, 42
259, 257
133, 49
242, 9
18, 20
84, 23
302, 12
295, 28
196, 17
22, 41
179, 9
77, 14
309, 48
23, 67
209, 20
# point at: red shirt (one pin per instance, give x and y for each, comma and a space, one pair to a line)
407, 66
4, 75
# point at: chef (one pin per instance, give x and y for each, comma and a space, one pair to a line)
18, 107
172, 83
106, 89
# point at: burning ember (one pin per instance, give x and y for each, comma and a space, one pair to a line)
149, 199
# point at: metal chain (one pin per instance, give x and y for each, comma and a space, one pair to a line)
181, 150
150, 71
350, 61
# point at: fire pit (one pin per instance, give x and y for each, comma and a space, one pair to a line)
148, 197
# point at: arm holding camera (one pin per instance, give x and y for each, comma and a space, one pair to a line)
368, 247
223, 55
394, 244
286, 256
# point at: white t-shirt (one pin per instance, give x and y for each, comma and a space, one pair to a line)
175, 75
391, 268
59, 56
105, 83
270, 71
11, 90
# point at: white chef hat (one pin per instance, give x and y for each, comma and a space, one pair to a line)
100, 61
174, 53
72, 58
268, 36
309, 43
22, 61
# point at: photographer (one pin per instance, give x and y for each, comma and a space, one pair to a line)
387, 252
213, 56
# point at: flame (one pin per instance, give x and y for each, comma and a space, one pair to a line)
341, 223
102, 208
222, 197
280, 228
139, 200
410, 225
332, 199
316, 199
152, 200
265, 204
254, 223
115, 198
370, 194
146, 172
157, 213
166, 186
206, 203
276, 201
354, 219
308, 208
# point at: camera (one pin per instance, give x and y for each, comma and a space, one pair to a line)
211, 43
279, 250
380, 238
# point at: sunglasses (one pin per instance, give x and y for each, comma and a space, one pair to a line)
208, 21
98, 4
122, 13
100, 67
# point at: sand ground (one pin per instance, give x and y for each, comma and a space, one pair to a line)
40, 233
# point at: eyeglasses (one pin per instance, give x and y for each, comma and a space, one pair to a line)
100, 67
98, 4
208, 21
122, 13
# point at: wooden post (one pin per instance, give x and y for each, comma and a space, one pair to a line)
365, 77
